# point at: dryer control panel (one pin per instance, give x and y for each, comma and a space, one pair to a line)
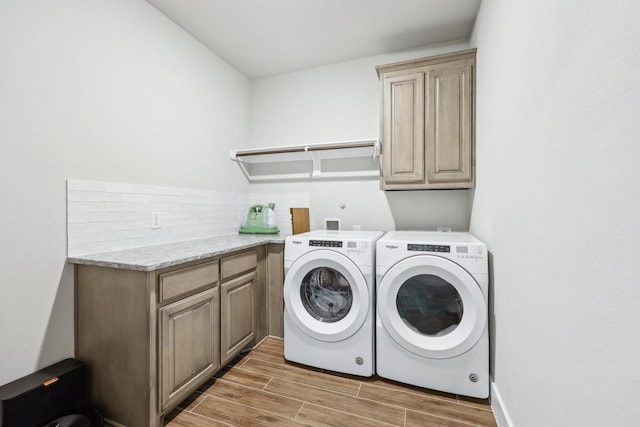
428, 248
460, 251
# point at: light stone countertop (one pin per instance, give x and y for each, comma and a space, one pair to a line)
150, 258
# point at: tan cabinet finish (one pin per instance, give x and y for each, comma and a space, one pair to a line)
187, 280
428, 119
237, 315
237, 303
189, 351
150, 339
234, 265
275, 291
115, 313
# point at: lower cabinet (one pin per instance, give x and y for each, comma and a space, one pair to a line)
237, 320
189, 352
150, 339
237, 303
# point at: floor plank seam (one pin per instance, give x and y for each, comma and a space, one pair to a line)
224, 380
199, 401
251, 407
455, 420
264, 387
349, 413
259, 389
311, 385
419, 393
212, 419
382, 403
274, 364
241, 362
298, 413
475, 406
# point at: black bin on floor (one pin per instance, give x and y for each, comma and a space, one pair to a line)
53, 396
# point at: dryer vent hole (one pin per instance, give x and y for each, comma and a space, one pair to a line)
474, 378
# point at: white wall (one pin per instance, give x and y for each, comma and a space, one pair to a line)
558, 206
340, 102
106, 90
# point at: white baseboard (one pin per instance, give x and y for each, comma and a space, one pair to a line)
499, 410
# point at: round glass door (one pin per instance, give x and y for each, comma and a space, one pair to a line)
431, 306
326, 296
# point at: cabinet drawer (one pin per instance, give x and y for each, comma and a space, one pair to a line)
238, 264
186, 280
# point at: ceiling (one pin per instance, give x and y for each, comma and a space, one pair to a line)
266, 37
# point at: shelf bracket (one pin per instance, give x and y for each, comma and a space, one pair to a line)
316, 171
376, 150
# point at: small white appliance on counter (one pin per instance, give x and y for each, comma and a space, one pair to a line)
431, 325
329, 300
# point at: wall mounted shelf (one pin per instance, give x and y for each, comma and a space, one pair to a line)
314, 153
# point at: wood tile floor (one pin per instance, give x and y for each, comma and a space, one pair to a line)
261, 389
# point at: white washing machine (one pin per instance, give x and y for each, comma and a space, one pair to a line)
329, 291
431, 326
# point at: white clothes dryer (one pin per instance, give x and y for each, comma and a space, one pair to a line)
431, 325
329, 290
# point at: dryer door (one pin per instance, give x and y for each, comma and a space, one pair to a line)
431, 306
326, 296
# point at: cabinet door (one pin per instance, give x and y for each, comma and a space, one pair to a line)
403, 128
188, 344
428, 120
237, 315
449, 118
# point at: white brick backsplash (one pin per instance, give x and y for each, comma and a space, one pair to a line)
106, 216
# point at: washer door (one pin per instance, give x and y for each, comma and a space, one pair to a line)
431, 306
326, 296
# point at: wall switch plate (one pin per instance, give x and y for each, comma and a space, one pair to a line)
155, 219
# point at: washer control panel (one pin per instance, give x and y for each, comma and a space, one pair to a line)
326, 243
357, 247
351, 247
469, 252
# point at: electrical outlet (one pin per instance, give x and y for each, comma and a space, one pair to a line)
155, 219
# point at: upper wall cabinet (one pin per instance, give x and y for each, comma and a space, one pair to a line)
428, 121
